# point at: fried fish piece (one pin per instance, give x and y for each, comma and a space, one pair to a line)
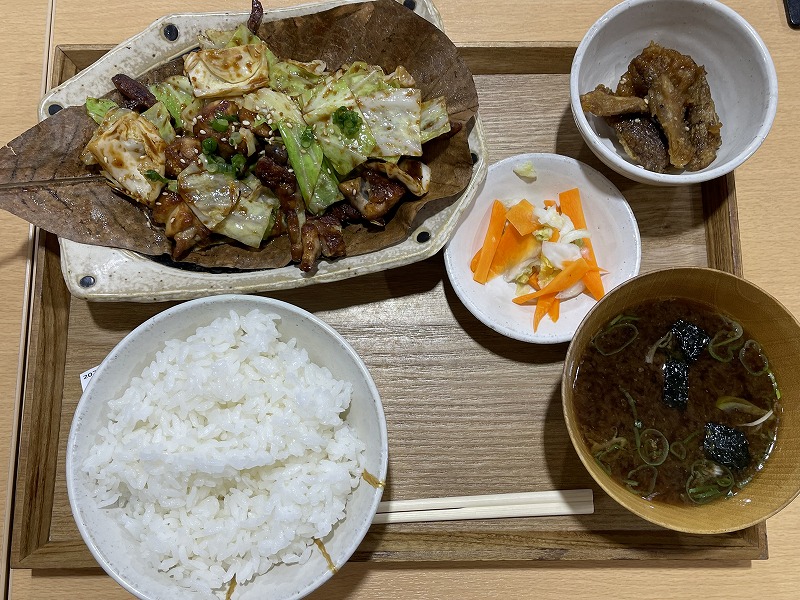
642, 140
602, 102
704, 125
680, 98
668, 105
661, 111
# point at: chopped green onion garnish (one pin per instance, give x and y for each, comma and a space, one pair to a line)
238, 163
619, 326
209, 145
171, 184
259, 121
153, 175
220, 125
349, 121
649, 483
307, 137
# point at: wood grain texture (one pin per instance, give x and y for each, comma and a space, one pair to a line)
23, 46
768, 211
517, 442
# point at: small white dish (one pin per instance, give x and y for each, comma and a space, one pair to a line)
609, 218
115, 549
740, 73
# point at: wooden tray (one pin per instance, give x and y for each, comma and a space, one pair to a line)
459, 422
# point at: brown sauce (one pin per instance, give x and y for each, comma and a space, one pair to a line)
325, 554
609, 387
372, 480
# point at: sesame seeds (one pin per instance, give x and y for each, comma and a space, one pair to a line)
202, 132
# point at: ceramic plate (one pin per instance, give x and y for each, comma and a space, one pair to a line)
99, 273
609, 218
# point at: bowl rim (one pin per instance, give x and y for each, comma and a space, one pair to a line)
639, 173
608, 486
225, 299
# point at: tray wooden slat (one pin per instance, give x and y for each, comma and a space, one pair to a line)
458, 422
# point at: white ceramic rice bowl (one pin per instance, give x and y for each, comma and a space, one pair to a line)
740, 73
115, 550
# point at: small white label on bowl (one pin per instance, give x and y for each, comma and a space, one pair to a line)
86, 377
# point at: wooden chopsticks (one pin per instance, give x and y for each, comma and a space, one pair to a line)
490, 506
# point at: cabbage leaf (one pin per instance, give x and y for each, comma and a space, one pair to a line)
345, 148
253, 216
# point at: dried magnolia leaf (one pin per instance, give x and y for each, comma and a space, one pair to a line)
43, 180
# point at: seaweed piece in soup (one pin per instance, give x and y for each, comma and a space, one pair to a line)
676, 383
691, 339
726, 446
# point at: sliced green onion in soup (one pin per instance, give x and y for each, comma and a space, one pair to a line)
721, 346
708, 481
753, 358
730, 404
617, 336
642, 480
653, 447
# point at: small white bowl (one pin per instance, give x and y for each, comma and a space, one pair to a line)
739, 68
115, 550
609, 218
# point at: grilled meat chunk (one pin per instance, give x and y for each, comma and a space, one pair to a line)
218, 120
668, 106
322, 236
249, 119
181, 153
136, 94
345, 212
372, 194
704, 125
415, 175
180, 223
281, 180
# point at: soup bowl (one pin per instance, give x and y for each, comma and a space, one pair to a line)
764, 319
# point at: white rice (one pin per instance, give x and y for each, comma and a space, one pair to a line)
228, 455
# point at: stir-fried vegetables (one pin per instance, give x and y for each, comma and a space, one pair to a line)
544, 251
245, 145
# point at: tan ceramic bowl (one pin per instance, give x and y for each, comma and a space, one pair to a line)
778, 332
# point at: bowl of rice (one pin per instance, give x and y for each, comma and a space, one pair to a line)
230, 447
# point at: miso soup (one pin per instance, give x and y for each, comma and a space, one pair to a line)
677, 402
